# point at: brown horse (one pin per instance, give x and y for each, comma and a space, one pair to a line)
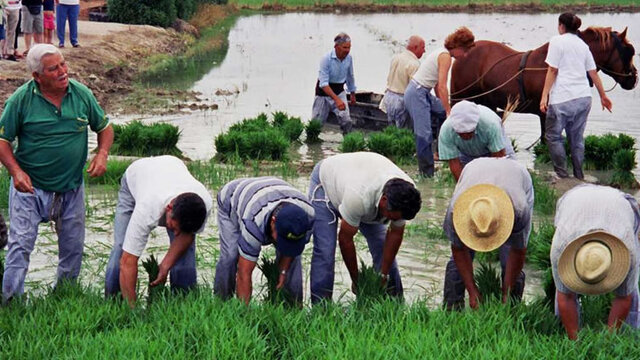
491, 73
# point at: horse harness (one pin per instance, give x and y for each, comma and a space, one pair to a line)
521, 68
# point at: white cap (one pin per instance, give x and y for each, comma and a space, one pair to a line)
464, 117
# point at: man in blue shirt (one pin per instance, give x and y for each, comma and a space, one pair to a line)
336, 70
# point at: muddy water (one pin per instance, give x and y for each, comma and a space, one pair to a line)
272, 65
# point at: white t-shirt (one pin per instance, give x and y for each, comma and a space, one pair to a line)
427, 74
153, 183
353, 183
572, 57
69, 2
13, 4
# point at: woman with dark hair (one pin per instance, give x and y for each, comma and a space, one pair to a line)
566, 97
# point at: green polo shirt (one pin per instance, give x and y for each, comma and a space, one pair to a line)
486, 139
52, 142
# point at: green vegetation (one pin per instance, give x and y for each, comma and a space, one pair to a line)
353, 142
313, 130
444, 4
138, 139
113, 175
152, 268
544, 198
259, 139
369, 287
79, 323
5, 183
273, 295
488, 280
153, 12
624, 162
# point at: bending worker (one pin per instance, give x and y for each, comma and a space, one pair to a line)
336, 70
156, 191
470, 132
490, 208
256, 212
366, 191
595, 251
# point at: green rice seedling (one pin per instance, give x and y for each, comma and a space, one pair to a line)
5, 183
549, 287
539, 246
489, 283
397, 144
138, 139
545, 197
291, 127
538, 317
624, 161
113, 175
271, 272
353, 142
313, 130
369, 285
381, 143
541, 152
488, 256
595, 309
626, 142
152, 268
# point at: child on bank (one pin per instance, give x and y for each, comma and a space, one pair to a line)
49, 20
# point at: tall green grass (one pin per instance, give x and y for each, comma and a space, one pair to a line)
369, 286
138, 139
273, 295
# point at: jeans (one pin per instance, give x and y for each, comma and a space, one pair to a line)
423, 108
26, 212
396, 111
225, 280
322, 105
62, 13
183, 274
570, 116
325, 240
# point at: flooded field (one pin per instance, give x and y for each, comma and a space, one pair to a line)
272, 65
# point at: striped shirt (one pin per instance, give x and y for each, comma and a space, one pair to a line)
250, 202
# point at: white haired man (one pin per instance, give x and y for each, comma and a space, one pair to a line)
49, 115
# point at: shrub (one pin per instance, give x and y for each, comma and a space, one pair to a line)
150, 12
353, 142
313, 130
138, 139
270, 271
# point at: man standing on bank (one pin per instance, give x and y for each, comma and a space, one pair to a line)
156, 191
366, 191
50, 116
595, 250
336, 70
491, 208
402, 68
256, 212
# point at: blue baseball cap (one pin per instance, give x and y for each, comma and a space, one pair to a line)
292, 225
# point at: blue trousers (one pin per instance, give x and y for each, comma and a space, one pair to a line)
225, 280
325, 240
64, 12
26, 212
570, 116
424, 108
183, 274
397, 113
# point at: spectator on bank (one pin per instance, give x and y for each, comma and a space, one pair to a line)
11, 16
32, 22
67, 9
49, 21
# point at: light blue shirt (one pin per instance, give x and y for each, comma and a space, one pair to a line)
486, 139
334, 70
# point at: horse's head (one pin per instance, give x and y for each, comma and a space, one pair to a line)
613, 54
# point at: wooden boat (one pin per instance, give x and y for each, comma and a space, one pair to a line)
365, 113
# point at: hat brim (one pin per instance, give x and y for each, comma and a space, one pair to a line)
462, 217
290, 248
620, 264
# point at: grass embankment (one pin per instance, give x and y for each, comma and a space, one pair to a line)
439, 5
74, 323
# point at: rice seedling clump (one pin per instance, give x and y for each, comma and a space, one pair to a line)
138, 139
271, 273
353, 142
369, 287
313, 130
152, 268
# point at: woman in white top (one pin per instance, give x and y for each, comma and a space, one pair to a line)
566, 97
422, 105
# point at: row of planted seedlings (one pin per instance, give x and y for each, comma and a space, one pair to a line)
602, 152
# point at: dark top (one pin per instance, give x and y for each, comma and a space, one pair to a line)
48, 5
31, 2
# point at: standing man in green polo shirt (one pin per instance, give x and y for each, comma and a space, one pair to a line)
49, 116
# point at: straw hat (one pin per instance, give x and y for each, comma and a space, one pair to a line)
483, 217
594, 263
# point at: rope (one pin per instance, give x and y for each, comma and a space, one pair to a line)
613, 87
497, 87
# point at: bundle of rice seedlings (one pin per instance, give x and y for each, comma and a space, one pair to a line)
138, 139
489, 282
369, 285
313, 130
595, 309
392, 142
539, 246
381, 143
291, 127
271, 273
152, 268
539, 317
353, 142
624, 161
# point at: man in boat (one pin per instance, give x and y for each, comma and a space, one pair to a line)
336, 70
491, 208
472, 131
365, 191
255, 212
49, 116
595, 251
403, 66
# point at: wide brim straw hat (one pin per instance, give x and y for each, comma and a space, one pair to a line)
594, 263
483, 217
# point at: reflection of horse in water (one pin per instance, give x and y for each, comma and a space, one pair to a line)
491, 73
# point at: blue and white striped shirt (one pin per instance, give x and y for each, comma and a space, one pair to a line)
250, 201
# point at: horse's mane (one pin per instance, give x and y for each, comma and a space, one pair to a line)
603, 34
